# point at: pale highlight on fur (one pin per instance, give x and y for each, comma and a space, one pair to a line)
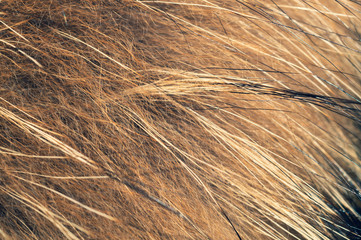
180, 119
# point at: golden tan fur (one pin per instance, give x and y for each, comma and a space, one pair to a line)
180, 119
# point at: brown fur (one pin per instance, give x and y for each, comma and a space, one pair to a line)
180, 120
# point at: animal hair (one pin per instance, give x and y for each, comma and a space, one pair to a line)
197, 119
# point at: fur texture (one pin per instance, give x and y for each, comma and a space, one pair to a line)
202, 119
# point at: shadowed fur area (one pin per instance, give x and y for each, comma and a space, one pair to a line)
196, 119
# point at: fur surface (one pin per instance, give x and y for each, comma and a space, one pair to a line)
232, 119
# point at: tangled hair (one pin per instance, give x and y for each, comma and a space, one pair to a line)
202, 119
